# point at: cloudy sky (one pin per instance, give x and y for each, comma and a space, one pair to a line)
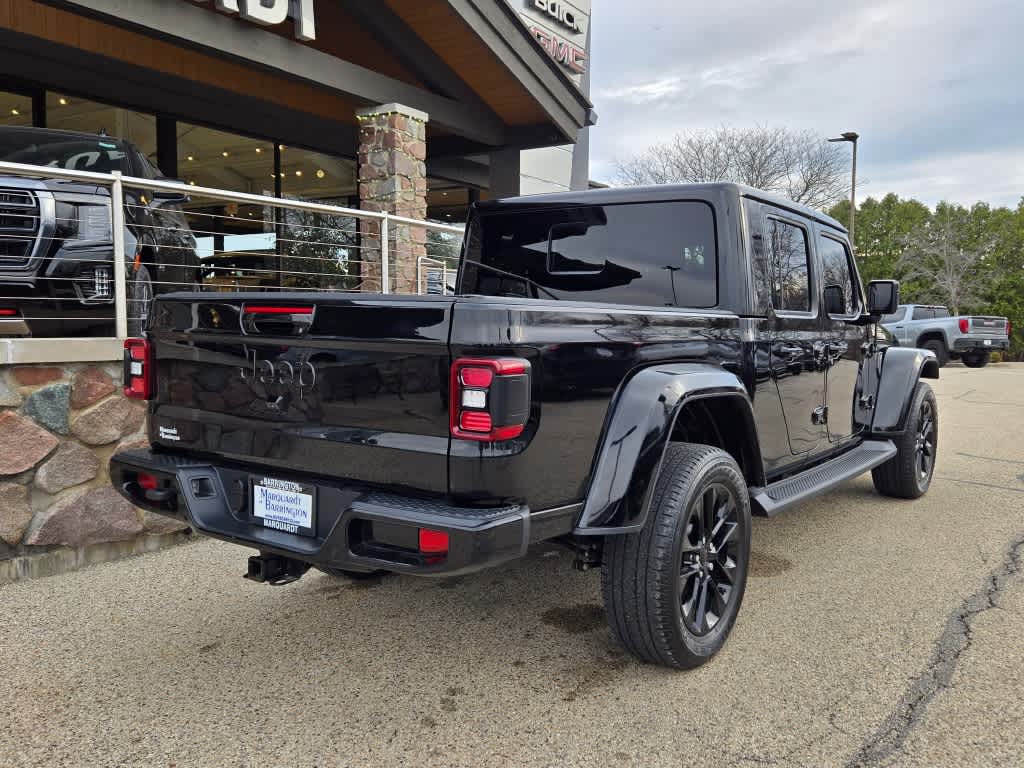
934, 87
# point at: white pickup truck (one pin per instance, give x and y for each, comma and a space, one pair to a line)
968, 337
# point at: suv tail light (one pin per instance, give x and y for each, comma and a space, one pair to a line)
490, 398
964, 324
1009, 329
139, 369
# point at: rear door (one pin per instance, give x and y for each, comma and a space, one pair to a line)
844, 352
796, 329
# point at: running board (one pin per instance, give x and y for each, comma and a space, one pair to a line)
823, 477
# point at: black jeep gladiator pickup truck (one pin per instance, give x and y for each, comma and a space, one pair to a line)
630, 372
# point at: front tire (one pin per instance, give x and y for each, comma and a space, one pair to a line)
975, 359
908, 474
672, 590
140, 299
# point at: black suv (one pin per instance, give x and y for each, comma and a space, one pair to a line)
56, 244
629, 372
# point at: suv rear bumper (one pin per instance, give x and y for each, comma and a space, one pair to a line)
979, 344
356, 528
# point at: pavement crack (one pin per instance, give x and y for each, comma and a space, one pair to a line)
938, 675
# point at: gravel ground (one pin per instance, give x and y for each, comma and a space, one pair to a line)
873, 632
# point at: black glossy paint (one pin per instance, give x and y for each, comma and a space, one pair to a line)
360, 395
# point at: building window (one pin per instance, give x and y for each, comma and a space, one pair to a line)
15, 109
71, 113
320, 250
211, 158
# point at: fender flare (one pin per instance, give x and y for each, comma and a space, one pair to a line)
901, 369
636, 434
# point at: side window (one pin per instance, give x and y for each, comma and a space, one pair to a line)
941, 312
837, 274
923, 313
788, 266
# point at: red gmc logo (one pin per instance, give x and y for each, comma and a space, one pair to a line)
565, 53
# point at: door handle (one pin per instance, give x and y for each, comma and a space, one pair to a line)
838, 348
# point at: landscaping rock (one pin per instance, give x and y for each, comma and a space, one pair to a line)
8, 397
89, 516
70, 465
32, 376
155, 523
49, 407
23, 443
15, 512
89, 386
109, 421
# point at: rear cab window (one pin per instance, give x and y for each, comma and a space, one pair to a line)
646, 254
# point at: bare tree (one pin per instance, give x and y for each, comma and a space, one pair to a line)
798, 164
947, 260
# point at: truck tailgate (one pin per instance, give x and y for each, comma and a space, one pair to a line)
988, 326
356, 385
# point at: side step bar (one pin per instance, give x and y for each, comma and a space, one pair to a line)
823, 477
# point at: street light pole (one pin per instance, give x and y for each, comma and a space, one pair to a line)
851, 136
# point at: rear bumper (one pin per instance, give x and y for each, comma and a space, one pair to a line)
980, 344
355, 528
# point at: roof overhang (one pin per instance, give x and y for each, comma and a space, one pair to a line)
464, 114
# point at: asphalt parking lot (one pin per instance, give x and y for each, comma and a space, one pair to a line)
873, 632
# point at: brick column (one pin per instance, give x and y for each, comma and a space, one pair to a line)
393, 179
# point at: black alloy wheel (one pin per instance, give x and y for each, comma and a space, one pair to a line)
924, 445
709, 557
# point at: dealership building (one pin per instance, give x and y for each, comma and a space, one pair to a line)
269, 96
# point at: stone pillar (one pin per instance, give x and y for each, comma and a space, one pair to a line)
393, 179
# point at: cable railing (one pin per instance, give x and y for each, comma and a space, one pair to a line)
79, 262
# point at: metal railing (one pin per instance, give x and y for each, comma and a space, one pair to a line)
164, 235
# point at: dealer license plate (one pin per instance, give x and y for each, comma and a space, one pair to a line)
284, 505
988, 342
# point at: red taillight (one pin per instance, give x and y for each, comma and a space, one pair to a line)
964, 324
1009, 328
433, 542
8, 312
138, 369
489, 398
147, 481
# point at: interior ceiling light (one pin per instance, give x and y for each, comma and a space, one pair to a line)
191, 158
281, 147
321, 173
298, 173
15, 112
259, 150
225, 153
63, 101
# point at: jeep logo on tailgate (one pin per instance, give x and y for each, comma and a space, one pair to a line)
279, 378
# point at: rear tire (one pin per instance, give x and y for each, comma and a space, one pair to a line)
939, 349
672, 590
908, 474
975, 359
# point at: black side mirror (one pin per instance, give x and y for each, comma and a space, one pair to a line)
883, 297
835, 301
